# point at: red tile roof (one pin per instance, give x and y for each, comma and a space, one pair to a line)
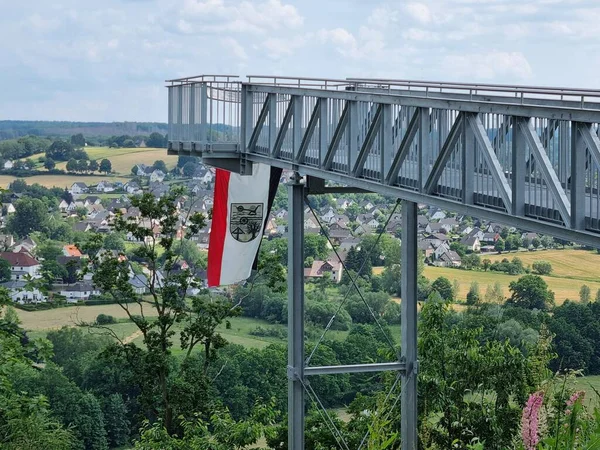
19, 259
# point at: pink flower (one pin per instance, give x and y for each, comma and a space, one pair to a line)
579, 395
530, 432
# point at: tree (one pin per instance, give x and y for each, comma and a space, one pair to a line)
72, 165
504, 233
4, 271
31, 215
597, 299
584, 293
514, 241
486, 263
535, 242
443, 286
105, 166
315, 246
82, 165
471, 261
160, 165
156, 140
93, 165
547, 241
115, 417
49, 163
530, 292
60, 151
189, 168
494, 294
77, 140
198, 316
473, 297
499, 245
542, 267
113, 241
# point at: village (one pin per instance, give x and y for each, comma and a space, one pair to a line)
444, 239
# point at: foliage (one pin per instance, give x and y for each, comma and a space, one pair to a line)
105, 166
60, 151
444, 288
530, 292
584, 293
197, 316
542, 267
31, 215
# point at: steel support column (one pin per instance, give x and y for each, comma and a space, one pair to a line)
409, 325
295, 367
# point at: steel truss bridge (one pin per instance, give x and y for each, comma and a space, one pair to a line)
519, 155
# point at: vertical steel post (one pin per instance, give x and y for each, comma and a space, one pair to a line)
468, 163
295, 369
578, 160
519, 149
410, 254
424, 147
204, 119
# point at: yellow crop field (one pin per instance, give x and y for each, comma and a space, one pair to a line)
60, 181
580, 264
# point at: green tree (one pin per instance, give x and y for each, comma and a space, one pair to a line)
60, 151
113, 241
72, 165
597, 299
4, 271
117, 424
77, 140
105, 166
542, 267
494, 294
49, 163
156, 140
443, 286
189, 168
31, 215
93, 166
535, 242
473, 296
160, 165
584, 293
530, 292
198, 316
499, 245
82, 165
486, 263
315, 246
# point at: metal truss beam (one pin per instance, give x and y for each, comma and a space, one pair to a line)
354, 368
285, 125
548, 173
260, 122
491, 159
310, 131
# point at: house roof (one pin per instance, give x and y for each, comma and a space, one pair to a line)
71, 250
79, 184
19, 259
80, 286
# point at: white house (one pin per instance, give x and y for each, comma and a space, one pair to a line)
22, 265
105, 186
132, 187
8, 165
157, 176
10, 208
139, 283
20, 293
79, 188
80, 291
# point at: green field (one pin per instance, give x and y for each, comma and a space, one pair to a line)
60, 181
591, 385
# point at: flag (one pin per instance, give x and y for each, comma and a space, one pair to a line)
241, 209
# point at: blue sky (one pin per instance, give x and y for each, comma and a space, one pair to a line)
106, 60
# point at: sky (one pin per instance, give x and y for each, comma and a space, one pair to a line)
107, 60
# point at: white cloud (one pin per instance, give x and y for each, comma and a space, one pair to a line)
488, 66
419, 11
235, 48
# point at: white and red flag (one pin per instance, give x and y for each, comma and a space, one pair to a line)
240, 212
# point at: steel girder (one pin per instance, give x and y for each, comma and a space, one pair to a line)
537, 166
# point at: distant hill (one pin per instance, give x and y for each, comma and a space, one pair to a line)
11, 129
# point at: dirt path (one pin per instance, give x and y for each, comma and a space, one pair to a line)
132, 337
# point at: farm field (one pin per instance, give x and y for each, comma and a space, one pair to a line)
580, 264
60, 181
589, 384
564, 288
123, 159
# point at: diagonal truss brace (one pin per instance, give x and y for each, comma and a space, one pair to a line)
548, 173
337, 137
591, 140
444, 156
287, 119
491, 159
403, 150
374, 129
260, 122
310, 131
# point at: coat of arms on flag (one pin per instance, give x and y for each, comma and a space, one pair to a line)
246, 220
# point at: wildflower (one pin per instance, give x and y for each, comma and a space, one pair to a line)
530, 432
579, 395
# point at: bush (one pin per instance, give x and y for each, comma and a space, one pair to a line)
272, 332
105, 319
541, 267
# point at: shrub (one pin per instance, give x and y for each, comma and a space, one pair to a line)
541, 267
105, 319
